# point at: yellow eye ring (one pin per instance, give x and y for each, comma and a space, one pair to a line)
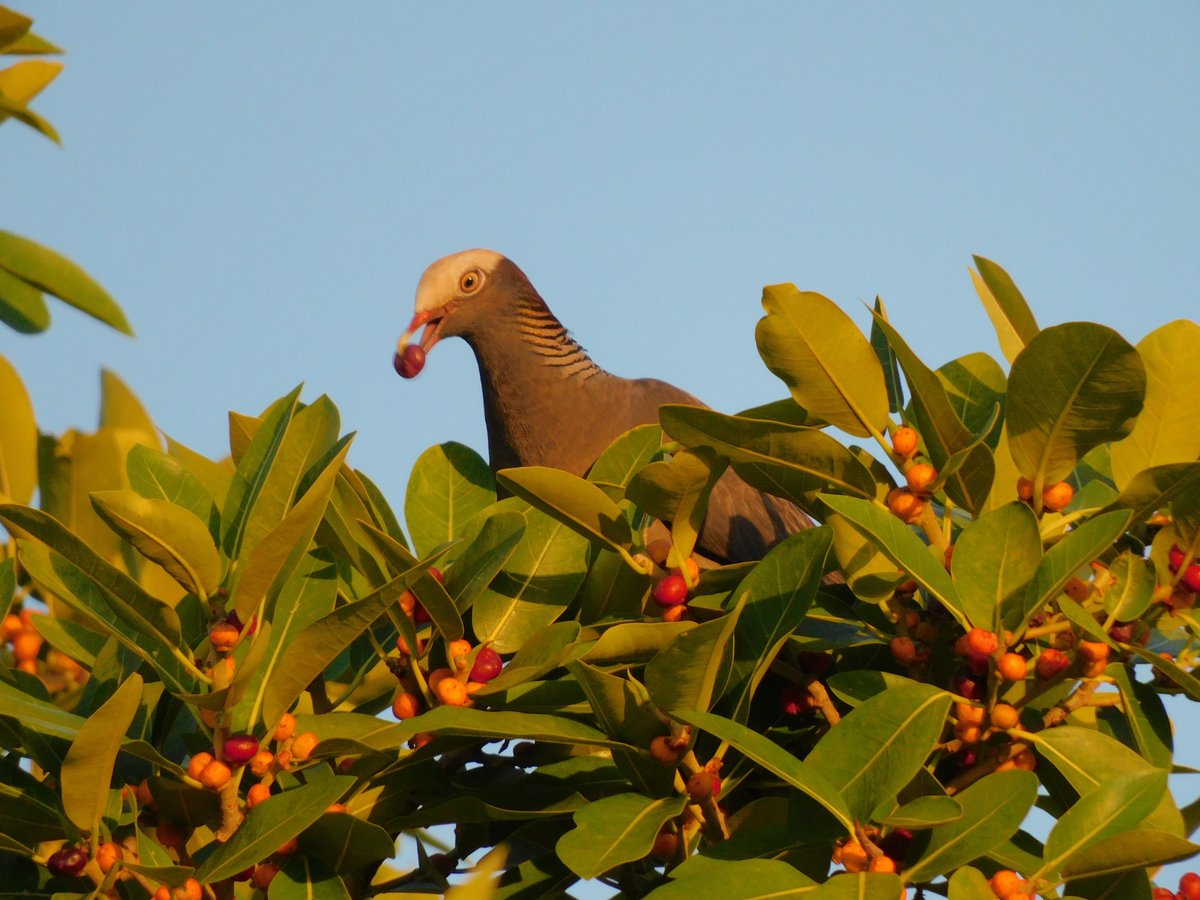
470, 281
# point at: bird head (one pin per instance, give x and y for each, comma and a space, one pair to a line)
456, 294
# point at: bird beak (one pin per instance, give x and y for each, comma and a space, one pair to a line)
432, 318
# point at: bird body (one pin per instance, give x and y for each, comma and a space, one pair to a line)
546, 403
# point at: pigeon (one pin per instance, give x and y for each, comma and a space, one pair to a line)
546, 403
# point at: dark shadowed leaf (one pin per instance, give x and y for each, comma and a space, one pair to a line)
304, 878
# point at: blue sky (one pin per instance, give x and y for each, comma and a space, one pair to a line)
261, 185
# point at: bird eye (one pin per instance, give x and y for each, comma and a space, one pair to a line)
470, 281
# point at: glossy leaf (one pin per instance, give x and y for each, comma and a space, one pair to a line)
878, 748
615, 830
577, 503
466, 722
1136, 849
18, 437
1165, 432
318, 645
1006, 307
1114, 807
677, 490
274, 556
1085, 543
157, 476
1145, 717
969, 884
449, 484
1133, 591
88, 768
778, 592
771, 456
862, 886
1073, 387
484, 556
269, 824
535, 584
52, 272
346, 843
823, 358
626, 455
684, 674
992, 810
743, 879
943, 434
994, 557
899, 544
805, 777
165, 534
975, 385
305, 878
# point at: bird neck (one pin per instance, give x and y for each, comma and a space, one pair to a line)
533, 375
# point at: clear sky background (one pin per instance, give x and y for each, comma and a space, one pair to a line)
260, 186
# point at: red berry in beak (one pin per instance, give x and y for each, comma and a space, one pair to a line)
409, 363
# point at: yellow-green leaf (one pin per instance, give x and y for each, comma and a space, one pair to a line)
53, 273
1006, 307
25, 80
823, 358
165, 534
18, 437
1166, 431
88, 768
22, 306
577, 503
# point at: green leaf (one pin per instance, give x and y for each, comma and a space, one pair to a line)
274, 556
1166, 431
150, 639
53, 273
483, 558
496, 725
741, 879
577, 503
863, 886
38, 715
1131, 885
1088, 760
887, 359
1114, 807
1145, 716
253, 469
24, 114
1134, 588
1006, 307
545, 651
632, 643
1082, 545
780, 459
323, 641
1187, 682
1152, 489
779, 592
626, 455
942, 432
677, 490
536, 583
1137, 849
615, 830
18, 438
878, 748
88, 768
969, 884
975, 385
823, 358
683, 674
157, 476
304, 878
803, 776
899, 544
270, 824
22, 306
165, 534
449, 484
994, 557
1074, 386
346, 843
922, 813
992, 810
